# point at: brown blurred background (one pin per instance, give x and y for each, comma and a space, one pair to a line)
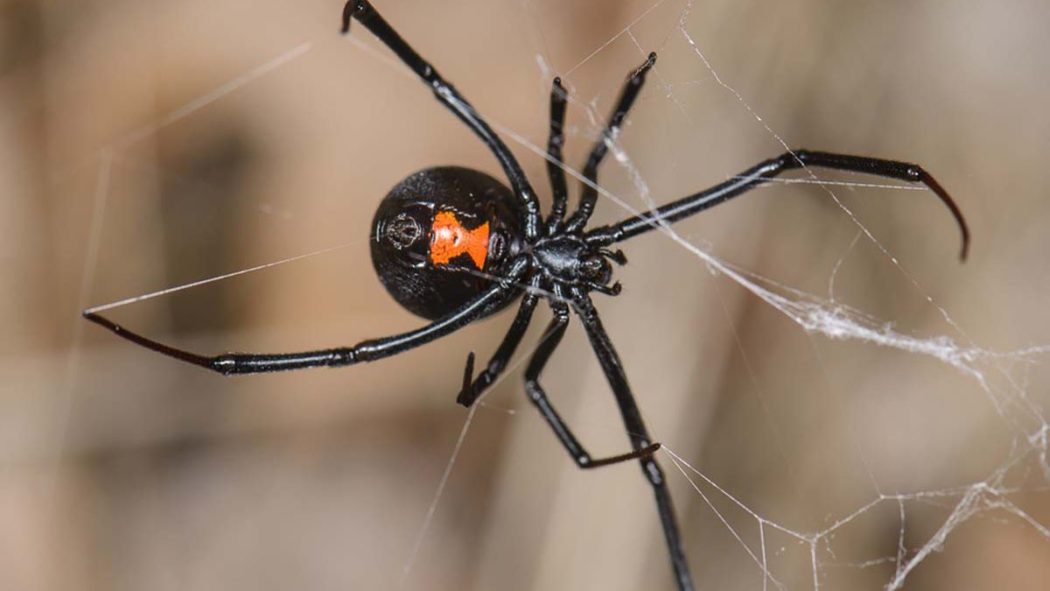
146, 144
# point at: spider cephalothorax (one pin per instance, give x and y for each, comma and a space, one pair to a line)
570, 261
454, 245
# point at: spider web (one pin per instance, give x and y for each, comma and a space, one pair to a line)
886, 435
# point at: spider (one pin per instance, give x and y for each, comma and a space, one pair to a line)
454, 245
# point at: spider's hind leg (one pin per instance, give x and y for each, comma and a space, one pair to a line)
446, 94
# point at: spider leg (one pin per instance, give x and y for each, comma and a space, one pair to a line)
609, 290
559, 188
473, 387
551, 338
760, 174
636, 431
370, 350
366, 14
589, 195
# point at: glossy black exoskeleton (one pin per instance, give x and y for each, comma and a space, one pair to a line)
454, 245
402, 232
569, 260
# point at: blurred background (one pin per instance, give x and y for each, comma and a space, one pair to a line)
146, 145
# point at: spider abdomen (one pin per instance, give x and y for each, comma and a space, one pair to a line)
440, 235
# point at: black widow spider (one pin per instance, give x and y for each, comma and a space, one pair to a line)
454, 245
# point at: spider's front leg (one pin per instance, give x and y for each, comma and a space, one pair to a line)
762, 173
548, 343
636, 432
